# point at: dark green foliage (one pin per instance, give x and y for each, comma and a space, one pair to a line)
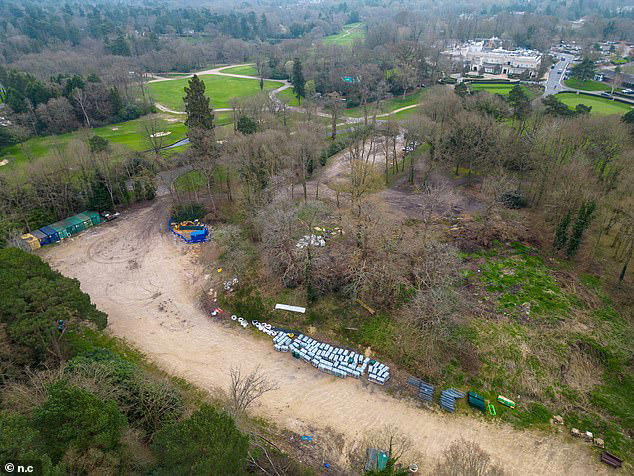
340, 143
514, 199
75, 418
207, 442
19, 441
10, 136
584, 217
100, 198
519, 101
33, 297
246, 125
298, 81
581, 109
22, 89
583, 71
461, 89
561, 234
98, 144
189, 211
119, 47
148, 403
628, 117
199, 112
555, 107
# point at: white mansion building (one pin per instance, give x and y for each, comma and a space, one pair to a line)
486, 57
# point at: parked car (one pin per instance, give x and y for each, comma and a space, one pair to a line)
109, 216
606, 94
559, 72
628, 91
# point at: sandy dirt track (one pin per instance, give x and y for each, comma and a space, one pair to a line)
144, 279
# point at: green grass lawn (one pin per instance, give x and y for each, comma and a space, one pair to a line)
350, 34
407, 113
221, 89
190, 182
600, 106
289, 95
389, 105
247, 70
587, 85
505, 89
128, 134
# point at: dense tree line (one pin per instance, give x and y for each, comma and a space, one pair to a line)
89, 173
62, 104
75, 401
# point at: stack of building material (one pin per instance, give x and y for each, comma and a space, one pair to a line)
378, 373
336, 361
425, 390
448, 399
282, 341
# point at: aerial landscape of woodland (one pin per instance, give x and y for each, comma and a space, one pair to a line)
297, 237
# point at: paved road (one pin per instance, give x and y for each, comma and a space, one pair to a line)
554, 83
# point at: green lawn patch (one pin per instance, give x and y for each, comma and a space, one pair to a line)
522, 280
390, 105
587, 85
128, 134
505, 89
190, 182
600, 106
247, 70
289, 96
221, 89
349, 34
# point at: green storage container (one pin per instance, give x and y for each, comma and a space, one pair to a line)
85, 219
94, 217
60, 229
73, 225
476, 401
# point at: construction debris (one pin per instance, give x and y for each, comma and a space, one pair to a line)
448, 399
311, 240
336, 361
230, 285
286, 307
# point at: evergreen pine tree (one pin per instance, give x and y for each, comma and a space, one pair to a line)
200, 115
561, 234
584, 217
298, 81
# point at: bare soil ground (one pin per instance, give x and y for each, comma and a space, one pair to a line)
147, 282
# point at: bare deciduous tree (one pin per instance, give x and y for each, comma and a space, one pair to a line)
467, 457
246, 389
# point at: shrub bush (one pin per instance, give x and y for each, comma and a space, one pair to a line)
207, 442
514, 199
75, 418
189, 211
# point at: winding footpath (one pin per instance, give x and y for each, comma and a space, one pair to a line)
272, 93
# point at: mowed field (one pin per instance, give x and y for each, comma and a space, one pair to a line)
587, 85
505, 89
247, 70
129, 134
389, 105
221, 89
600, 106
350, 33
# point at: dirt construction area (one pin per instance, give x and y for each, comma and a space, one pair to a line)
146, 281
